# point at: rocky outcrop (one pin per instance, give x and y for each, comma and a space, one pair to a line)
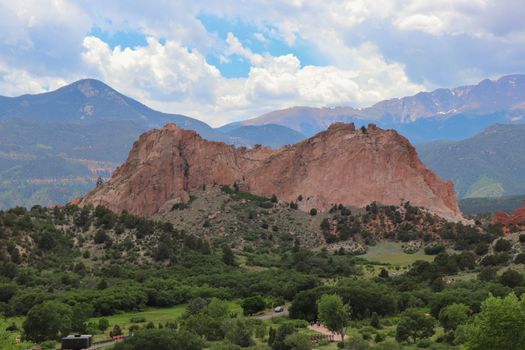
516, 219
340, 165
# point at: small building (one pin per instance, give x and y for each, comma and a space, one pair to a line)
76, 342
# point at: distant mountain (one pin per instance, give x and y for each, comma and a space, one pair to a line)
451, 114
473, 206
54, 146
490, 164
90, 101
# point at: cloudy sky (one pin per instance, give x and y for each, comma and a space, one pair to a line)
227, 60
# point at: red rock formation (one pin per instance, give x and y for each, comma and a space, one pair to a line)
340, 165
505, 219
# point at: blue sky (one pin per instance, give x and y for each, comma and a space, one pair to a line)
229, 60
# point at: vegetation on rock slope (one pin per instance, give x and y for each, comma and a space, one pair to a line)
90, 265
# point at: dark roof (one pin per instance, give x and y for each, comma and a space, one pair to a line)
78, 336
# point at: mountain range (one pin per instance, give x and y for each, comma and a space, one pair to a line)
53, 146
442, 114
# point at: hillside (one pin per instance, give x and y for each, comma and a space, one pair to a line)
82, 131
241, 254
491, 205
490, 164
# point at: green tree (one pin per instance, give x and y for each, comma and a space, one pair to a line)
511, 278
100, 182
239, 332
227, 255
325, 224
218, 309
454, 315
333, 313
204, 325
81, 314
103, 324
271, 336
414, 325
283, 331
374, 320
488, 273
253, 305
48, 321
502, 245
116, 331
298, 341
499, 325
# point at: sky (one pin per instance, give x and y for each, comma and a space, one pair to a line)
222, 61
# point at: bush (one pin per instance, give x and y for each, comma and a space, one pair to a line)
103, 324
511, 278
161, 339
520, 258
482, 248
502, 245
424, 343
434, 249
252, 305
137, 319
101, 237
357, 343
313, 212
50, 320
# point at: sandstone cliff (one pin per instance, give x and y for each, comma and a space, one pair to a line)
340, 165
516, 219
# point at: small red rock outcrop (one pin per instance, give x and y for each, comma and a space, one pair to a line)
340, 165
505, 219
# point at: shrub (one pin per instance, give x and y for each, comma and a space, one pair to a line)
313, 212
434, 249
502, 245
103, 324
511, 278
520, 258
482, 248
253, 305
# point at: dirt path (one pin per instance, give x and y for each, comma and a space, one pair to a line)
323, 330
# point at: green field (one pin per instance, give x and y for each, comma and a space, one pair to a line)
388, 252
157, 316
8, 339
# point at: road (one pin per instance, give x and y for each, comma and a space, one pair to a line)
273, 314
102, 345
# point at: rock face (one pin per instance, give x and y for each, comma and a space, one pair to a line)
505, 219
340, 165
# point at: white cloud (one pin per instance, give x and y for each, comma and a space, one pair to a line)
156, 71
172, 77
425, 23
15, 82
44, 43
